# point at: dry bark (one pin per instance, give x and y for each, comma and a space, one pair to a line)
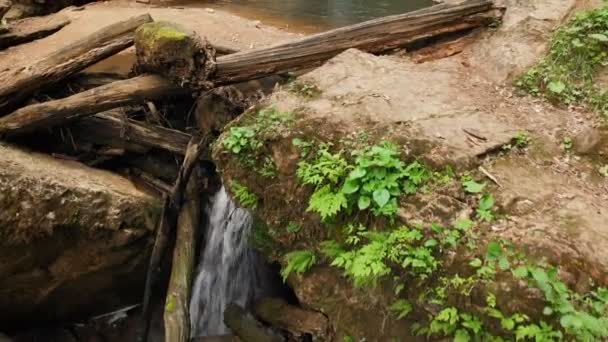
30, 29
372, 36
278, 313
245, 326
18, 83
176, 316
63, 111
110, 128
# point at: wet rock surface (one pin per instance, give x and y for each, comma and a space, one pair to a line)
74, 239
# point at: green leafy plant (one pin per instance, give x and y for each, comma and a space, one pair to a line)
243, 195
269, 168
303, 145
568, 144
327, 203
241, 139
304, 89
298, 262
293, 227
401, 308
473, 187
567, 74
484, 210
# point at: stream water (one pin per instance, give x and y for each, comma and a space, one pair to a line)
229, 271
309, 15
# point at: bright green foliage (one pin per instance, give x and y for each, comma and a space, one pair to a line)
241, 139
304, 89
326, 168
521, 140
298, 262
484, 210
379, 178
243, 195
375, 182
578, 50
462, 326
327, 203
401, 308
303, 145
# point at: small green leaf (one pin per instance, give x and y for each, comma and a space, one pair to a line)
463, 224
547, 311
431, 243
494, 250
473, 187
504, 263
476, 263
381, 197
357, 173
556, 87
599, 37
461, 335
364, 202
350, 187
520, 272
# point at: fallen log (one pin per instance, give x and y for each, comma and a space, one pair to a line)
27, 30
297, 321
109, 128
18, 83
372, 36
63, 111
176, 316
246, 327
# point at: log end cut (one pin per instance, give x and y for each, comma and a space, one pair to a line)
180, 55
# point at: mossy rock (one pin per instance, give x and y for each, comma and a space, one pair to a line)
177, 53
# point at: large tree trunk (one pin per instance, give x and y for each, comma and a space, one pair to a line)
372, 36
62, 111
27, 30
16, 84
176, 316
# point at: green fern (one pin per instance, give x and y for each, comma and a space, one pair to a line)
327, 203
298, 262
243, 195
326, 168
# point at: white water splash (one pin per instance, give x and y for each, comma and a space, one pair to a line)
229, 271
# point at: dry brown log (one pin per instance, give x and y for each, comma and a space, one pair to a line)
245, 326
372, 36
278, 313
110, 128
176, 315
20, 82
30, 29
63, 111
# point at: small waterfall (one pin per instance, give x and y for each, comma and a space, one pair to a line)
228, 271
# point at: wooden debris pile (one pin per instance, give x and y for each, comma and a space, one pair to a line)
147, 126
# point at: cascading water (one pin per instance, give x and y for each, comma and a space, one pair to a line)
229, 270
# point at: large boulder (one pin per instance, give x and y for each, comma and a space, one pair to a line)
73, 240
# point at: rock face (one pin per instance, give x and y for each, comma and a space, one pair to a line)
74, 240
443, 113
28, 8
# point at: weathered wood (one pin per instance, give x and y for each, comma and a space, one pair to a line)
176, 316
372, 36
20, 82
174, 52
245, 326
109, 128
30, 29
224, 338
278, 313
62, 111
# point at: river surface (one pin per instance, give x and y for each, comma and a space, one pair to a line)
308, 16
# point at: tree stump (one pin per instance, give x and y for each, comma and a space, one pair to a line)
178, 54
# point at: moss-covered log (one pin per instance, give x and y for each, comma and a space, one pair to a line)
174, 52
